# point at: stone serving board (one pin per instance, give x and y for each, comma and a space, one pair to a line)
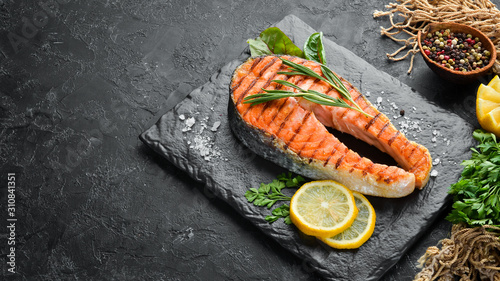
195, 136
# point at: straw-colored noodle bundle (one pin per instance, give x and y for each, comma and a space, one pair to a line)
414, 15
470, 254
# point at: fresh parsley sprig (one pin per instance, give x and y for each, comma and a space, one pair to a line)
477, 193
282, 211
268, 194
310, 95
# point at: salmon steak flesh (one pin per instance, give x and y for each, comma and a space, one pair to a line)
292, 132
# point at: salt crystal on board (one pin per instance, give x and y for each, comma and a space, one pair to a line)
215, 126
189, 123
436, 161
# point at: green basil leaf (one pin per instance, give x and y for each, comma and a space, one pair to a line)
314, 49
273, 41
258, 47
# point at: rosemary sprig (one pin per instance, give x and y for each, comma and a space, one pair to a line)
310, 95
331, 79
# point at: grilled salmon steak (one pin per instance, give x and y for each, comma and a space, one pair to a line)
291, 132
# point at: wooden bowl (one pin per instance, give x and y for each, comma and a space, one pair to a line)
457, 76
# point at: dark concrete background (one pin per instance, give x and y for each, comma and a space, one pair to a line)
80, 80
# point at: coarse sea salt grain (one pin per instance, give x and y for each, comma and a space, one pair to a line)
408, 125
434, 173
202, 142
189, 124
206, 147
436, 161
215, 126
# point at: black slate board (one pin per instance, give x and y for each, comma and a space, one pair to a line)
212, 155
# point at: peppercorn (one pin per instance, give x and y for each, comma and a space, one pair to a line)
457, 51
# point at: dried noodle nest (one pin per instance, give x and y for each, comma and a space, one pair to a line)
416, 14
470, 254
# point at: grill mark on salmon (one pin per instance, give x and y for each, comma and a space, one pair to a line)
268, 82
278, 112
365, 171
288, 131
412, 151
332, 154
304, 146
383, 129
355, 165
283, 104
266, 105
339, 161
246, 91
356, 99
343, 114
380, 173
255, 62
372, 121
278, 86
284, 121
393, 138
319, 145
298, 129
252, 85
267, 66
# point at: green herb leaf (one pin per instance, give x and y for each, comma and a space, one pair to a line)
268, 194
476, 194
273, 41
281, 212
313, 48
258, 47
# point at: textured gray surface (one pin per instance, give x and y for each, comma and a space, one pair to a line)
95, 203
228, 169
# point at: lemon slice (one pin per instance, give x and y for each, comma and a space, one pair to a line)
495, 83
323, 208
487, 107
360, 230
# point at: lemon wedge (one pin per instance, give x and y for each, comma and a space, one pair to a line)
491, 121
360, 230
495, 83
323, 208
488, 106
